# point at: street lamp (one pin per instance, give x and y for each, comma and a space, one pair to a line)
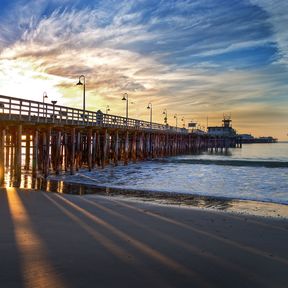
125, 98
107, 109
176, 119
82, 83
183, 120
150, 107
165, 118
44, 96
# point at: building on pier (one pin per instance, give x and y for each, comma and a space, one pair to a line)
224, 130
225, 135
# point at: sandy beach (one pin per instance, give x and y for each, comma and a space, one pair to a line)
59, 240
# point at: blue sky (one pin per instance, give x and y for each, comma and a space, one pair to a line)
194, 58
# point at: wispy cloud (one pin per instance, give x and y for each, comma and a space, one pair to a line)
277, 12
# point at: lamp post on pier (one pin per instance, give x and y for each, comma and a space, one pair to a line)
150, 107
44, 96
107, 109
176, 119
183, 121
84, 84
126, 98
166, 116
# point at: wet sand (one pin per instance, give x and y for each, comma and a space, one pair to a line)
60, 240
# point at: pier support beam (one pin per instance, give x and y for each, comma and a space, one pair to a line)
58, 153
47, 153
104, 148
116, 148
18, 155
134, 147
72, 158
89, 144
35, 154
2, 144
126, 148
7, 148
27, 151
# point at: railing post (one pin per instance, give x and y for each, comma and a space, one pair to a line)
29, 112
10, 108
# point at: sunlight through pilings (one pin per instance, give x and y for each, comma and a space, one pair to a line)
111, 247
143, 248
101, 239
232, 243
216, 260
36, 269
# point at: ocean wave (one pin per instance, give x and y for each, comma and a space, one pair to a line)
248, 163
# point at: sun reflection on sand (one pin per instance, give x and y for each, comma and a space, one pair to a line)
35, 266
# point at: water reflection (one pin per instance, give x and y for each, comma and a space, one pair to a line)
165, 198
59, 186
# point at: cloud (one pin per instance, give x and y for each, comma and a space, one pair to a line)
277, 11
186, 56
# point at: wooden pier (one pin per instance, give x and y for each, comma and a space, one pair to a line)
46, 138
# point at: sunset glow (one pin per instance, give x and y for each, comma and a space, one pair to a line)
193, 58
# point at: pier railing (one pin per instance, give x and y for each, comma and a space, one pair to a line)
17, 109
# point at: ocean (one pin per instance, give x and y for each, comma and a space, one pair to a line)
255, 172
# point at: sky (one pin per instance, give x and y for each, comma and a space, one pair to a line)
197, 58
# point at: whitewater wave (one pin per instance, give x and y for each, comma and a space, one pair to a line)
248, 163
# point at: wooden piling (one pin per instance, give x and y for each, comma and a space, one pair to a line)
104, 148
2, 164
27, 151
18, 155
35, 154
116, 147
89, 150
47, 153
134, 147
72, 158
126, 148
7, 148
58, 153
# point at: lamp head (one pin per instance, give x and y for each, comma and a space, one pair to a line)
124, 98
79, 83
53, 102
148, 107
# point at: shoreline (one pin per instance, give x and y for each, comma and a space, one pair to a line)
215, 203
